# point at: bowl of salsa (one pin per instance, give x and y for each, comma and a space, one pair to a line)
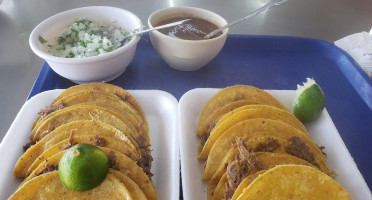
183, 47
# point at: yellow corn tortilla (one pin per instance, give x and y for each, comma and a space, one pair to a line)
89, 139
245, 113
84, 127
233, 94
48, 186
290, 118
105, 87
82, 112
294, 182
134, 190
131, 184
108, 100
267, 161
254, 128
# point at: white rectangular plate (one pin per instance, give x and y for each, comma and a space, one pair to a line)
322, 131
161, 111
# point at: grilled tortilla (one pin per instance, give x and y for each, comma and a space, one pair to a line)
48, 186
98, 98
63, 132
294, 182
262, 128
82, 112
245, 113
113, 89
233, 94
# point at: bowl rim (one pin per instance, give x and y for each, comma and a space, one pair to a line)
33, 39
224, 33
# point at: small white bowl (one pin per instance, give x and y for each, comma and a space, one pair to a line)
186, 55
104, 67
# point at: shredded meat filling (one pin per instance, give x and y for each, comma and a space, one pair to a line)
299, 149
49, 109
46, 169
145, 159
241, 165
112, 160
99, 141
205, 136
321, 149
211, 125
203, 139
269, 146
28, 145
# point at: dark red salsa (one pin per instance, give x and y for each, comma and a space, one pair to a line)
194, 29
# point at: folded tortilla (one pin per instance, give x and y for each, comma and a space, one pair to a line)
245, 113
294, 182
233, 94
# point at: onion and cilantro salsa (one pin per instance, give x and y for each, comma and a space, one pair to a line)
85, 38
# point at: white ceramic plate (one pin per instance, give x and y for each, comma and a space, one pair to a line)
322, 131
161, 111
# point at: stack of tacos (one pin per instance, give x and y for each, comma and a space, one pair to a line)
247, 137
96, 113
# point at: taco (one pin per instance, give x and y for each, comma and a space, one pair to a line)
81, 112
215, 116
294, 182
83, 127
233, 94
245, 163
49, 186
245, 113
262, 144
97, 140
259, 145
105, 87
121, 166
98, 98
300, 142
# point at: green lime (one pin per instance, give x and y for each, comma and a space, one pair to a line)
83, 167
309, 102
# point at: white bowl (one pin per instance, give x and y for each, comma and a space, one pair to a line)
186, 55
104, 67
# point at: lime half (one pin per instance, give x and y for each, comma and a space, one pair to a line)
309, 102
83, 167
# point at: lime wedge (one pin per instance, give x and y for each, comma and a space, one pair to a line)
309, 102
83, 167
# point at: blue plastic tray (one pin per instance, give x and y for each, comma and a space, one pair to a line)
267, 62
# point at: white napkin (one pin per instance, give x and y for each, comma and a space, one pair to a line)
359, 46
